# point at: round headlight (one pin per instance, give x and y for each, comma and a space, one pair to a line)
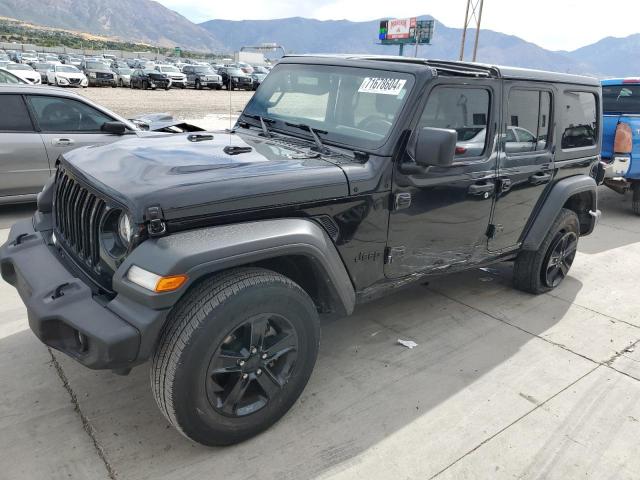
125, 228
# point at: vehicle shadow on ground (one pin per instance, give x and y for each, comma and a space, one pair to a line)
618, 225
366, 389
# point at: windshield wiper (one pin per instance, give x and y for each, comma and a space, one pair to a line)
314, 133
263, 123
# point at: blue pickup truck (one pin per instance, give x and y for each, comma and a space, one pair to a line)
621, 136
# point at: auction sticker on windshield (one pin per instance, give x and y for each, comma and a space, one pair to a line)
384, 86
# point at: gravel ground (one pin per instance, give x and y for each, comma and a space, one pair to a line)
207, 108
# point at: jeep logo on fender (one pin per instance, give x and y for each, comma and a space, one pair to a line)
367, 257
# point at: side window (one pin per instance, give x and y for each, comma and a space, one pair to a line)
580, 120
19, 120
57, 114
465, 110
528, 121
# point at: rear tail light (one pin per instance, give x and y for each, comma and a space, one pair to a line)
460, 150
623, 142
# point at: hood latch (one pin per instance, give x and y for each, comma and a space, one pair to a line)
156, 227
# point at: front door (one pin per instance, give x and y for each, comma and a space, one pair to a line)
525, 160
66, 123
440, 216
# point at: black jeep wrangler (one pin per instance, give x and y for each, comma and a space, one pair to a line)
214, 254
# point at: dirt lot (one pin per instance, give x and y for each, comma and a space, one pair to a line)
203, 107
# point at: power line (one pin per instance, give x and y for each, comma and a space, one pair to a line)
472, 16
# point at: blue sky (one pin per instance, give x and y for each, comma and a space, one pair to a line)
552, 24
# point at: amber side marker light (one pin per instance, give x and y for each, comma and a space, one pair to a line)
154, 282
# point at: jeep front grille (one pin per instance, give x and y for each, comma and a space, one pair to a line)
77, 215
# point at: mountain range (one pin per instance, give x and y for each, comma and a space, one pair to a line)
150, 22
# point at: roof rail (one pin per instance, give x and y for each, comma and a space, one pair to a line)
462, 68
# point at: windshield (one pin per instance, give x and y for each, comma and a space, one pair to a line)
354, 106
234, 71
124, 71
18, 66
260, 70
6, 77
66, 68
43, 66
621, 99
150, 70
170, 69
203, 70
97, 66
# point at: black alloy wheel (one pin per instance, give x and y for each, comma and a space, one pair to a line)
560, 258
252, 365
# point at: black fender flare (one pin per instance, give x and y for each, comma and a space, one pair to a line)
560, 193
201, 252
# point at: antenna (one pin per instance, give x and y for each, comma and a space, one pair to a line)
472, 14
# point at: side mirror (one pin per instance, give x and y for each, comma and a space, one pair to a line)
116, 128
435, 147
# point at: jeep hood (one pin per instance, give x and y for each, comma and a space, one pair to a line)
229, 172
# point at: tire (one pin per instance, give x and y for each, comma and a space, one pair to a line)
635, 200
145, 85
120, 83
218, 87
198, 85
214, 315
533, 271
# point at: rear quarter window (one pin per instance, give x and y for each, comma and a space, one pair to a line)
579, 119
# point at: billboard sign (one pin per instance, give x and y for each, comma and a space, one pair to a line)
405, 30
401, 28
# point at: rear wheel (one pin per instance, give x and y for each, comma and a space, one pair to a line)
235, 355
544, 269
198, 85
635, 201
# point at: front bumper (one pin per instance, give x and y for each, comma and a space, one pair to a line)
102, 82
67, 315
211, 83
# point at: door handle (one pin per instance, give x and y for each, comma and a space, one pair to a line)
62, 142
539, 178
482, 189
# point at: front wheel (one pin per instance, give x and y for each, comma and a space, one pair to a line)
235, 355
544, 269
635, 201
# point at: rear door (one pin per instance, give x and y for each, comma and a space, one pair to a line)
66, 123
525, 167
24, 166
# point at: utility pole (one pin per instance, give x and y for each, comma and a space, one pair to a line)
473, 14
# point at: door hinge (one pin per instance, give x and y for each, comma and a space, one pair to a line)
392, 253
401, 200
494, 230
156, 227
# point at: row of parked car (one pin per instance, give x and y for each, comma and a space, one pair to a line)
75, 71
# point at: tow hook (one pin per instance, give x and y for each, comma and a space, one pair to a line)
58, 291
19, 239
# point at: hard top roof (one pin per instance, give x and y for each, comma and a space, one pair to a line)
471, 69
